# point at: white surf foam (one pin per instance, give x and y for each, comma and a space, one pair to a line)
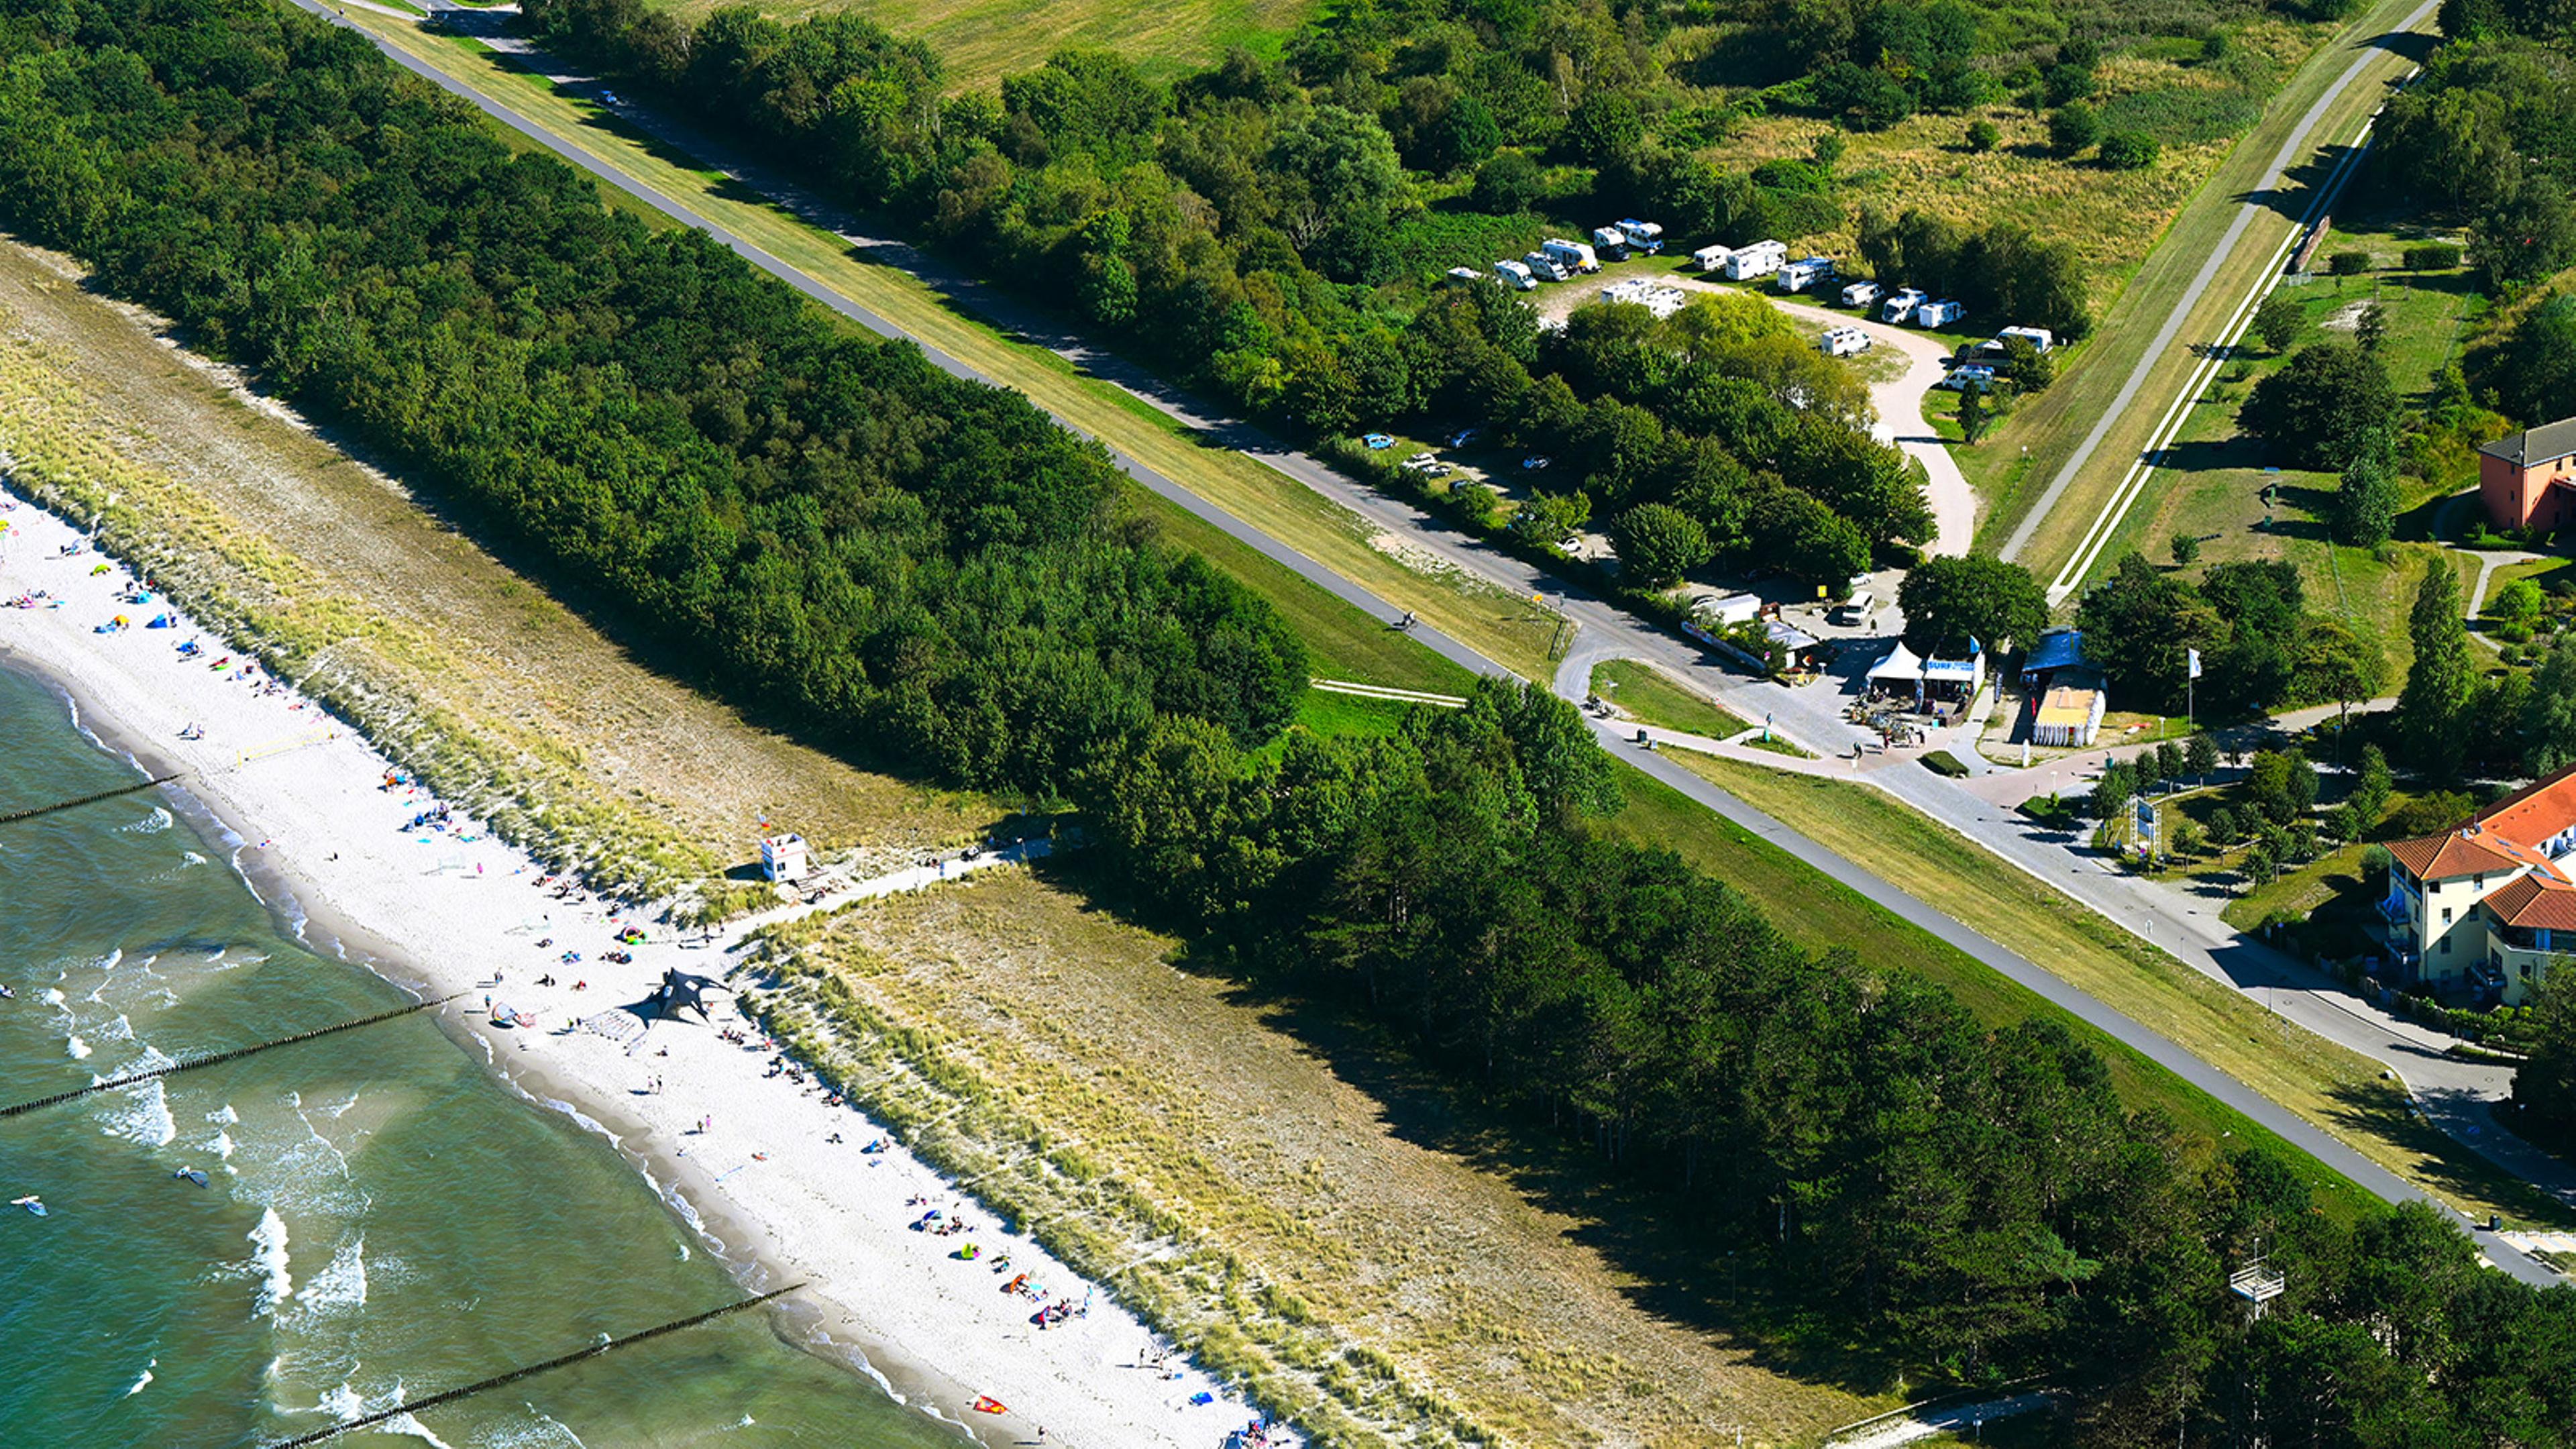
152, 824
269, 1264
77, 1048
144, 1113
342, 1285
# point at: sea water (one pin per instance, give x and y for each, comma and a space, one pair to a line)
383, 1218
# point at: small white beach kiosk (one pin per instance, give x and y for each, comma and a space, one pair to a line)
782, 857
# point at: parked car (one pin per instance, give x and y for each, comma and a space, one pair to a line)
1968, 375
1462, 437
1377, 442
1537, 460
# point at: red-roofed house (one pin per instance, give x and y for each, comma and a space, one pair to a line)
2482, 906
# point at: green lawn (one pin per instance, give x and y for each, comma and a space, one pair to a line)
2017, 463
2338, 1090
1647, 693
1342, 641
1822, 914
980, 41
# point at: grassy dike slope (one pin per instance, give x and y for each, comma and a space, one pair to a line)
2338, 1090
1501, 626
2014, 464
498, 692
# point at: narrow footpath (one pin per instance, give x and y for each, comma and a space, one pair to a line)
1810, 716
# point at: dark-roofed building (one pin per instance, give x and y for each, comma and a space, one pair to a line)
2529, 478
2480, 908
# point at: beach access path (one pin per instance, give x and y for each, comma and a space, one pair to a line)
1810, 717
743, 1153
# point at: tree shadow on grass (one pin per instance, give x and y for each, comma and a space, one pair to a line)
1673, 1267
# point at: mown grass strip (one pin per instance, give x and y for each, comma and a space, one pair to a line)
2340, 1091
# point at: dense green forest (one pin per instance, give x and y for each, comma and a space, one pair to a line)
1268, 230
830, 525
929, 570
1946, 1193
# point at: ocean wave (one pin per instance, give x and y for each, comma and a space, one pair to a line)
152, 824
224, 1115
143, 1379
122, 1029
145, 1115
77, 1048
342, 1285
54, 997
406, 1424
269, 1264
190, 857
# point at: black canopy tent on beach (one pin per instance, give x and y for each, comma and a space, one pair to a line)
680, 991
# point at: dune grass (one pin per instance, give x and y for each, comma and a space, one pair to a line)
1360, 1244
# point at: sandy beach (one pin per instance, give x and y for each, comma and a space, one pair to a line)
778, 1179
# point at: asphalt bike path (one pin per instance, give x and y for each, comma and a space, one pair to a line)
2261, 202
1604, 632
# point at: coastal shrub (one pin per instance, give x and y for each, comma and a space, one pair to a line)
915, 565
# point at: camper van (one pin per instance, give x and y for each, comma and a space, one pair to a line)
1545, 267
1515, 276
1711, 259
1937, 314
1863, 294
2040, 338
1643, 236
1465, 276
1804, 273
1843, 342
1758, 260
1573, 256
1900, 308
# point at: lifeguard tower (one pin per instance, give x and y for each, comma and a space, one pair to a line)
2257, 1283
782, 857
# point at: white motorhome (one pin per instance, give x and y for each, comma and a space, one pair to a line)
1937, 314
1863, 294
1758, 260
1515, 276
1806, 272
2040, 338
1463, 276
1610, 242
1547, 268
1711, 259
1644, 236
1900, 308
1573, 256
1843, 342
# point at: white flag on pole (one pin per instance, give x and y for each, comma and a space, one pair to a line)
2191, 658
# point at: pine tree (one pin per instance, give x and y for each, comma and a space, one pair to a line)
2432, 711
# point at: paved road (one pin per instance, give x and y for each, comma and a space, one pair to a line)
1811, 715
2258, 204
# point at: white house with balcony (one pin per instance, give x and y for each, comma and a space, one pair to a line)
2479, 909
